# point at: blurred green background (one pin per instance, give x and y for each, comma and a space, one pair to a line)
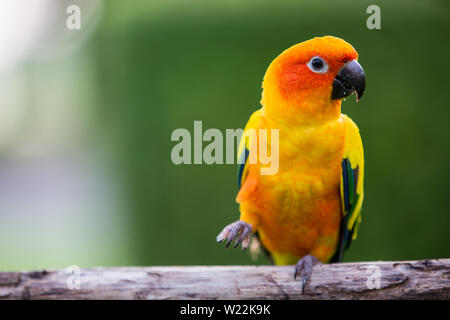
86, 118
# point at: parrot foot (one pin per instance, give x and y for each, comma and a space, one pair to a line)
239, 231
304, 268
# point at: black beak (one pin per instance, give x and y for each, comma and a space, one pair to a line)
350, 78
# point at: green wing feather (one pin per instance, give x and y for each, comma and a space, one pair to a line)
352, 191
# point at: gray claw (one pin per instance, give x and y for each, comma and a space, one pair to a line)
304, 268
239, 232
246, 232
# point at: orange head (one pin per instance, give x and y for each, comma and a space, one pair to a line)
307, 82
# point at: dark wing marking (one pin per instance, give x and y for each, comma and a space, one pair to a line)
350, 198
242, 163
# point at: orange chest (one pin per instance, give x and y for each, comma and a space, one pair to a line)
307, 182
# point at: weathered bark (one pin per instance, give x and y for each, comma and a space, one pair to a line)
426, 279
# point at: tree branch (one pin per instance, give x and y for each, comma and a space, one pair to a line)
425, 279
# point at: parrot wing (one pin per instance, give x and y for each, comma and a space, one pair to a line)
246, 141
244, 146
351, 188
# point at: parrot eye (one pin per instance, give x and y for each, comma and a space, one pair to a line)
317, 65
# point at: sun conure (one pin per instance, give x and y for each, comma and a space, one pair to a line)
309, 210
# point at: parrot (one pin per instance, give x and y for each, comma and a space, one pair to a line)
309, 211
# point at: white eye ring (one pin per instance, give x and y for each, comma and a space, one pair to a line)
317, 65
